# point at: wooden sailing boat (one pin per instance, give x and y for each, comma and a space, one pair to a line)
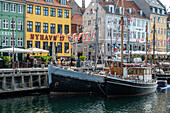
121, 81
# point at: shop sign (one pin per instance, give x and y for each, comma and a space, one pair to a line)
45, 37
6, 33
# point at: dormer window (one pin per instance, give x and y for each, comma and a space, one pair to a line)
111, 9
158, 11
63, 2
141, 13
48, 1
153, 10
162, 11
130, 10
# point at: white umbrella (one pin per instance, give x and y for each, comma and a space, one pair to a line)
37, 50
16, 50
162, 53
168, 53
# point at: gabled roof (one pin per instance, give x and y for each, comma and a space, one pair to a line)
54, 3
133, 6
76, 19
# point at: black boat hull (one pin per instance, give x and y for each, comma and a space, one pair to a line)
117, 87
69, 85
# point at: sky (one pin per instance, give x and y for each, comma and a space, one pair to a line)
164, 2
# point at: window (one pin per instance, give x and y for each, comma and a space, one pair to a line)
6, 6
45, 11
20, 25
164, 42
66, 29
52, 28
38, 27
29, 9
115, 64
66, 49
53, 12
161, 30
59, 13
164, 20
29, 44
29, 26
158, 30
45, 27
138, 23
164, 31
89, 22
11, 41
139, 35
20, 8
45, 45
13, 25
66, 13
153, 10
134, 22
37, 44
158, 43
0, 22
13, 8
37, 10
5, 41
59, 47
20, 42
134, 35
5, 24
60, 28
63, 2
143, 35
161, 20
48, 1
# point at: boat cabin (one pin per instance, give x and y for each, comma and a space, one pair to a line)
130, 71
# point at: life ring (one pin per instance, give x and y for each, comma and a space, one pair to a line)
56, 84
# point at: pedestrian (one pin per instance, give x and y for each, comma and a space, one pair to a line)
35, 62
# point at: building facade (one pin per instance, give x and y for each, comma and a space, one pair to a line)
48, 21
155, 10
12, 9
109, 22
168, 33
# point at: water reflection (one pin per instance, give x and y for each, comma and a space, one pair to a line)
158, 103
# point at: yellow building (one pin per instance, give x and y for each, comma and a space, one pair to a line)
44, 20
160, 32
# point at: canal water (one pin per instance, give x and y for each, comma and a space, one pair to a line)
158, 102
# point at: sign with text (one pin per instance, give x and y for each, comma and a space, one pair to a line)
46, 37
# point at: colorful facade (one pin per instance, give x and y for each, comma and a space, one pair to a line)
12, 9
44, 20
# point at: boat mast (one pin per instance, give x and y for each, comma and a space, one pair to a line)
96, 43
146, 44
154, 42
111, 40
122, 42
13, 65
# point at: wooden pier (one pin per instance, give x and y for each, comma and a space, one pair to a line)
25, 79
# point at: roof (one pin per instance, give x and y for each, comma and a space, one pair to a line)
154, 3
55, 3
76, 19
133, 6
17, 0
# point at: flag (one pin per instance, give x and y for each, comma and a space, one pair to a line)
62, 34
84, 38
68, 35
86, 33
137, 40
89, 38
74, 35
168, 39
142, 39
117, 34
58, 34
155, 40
161, 40
80, 35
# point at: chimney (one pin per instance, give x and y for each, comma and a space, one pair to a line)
83, 6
